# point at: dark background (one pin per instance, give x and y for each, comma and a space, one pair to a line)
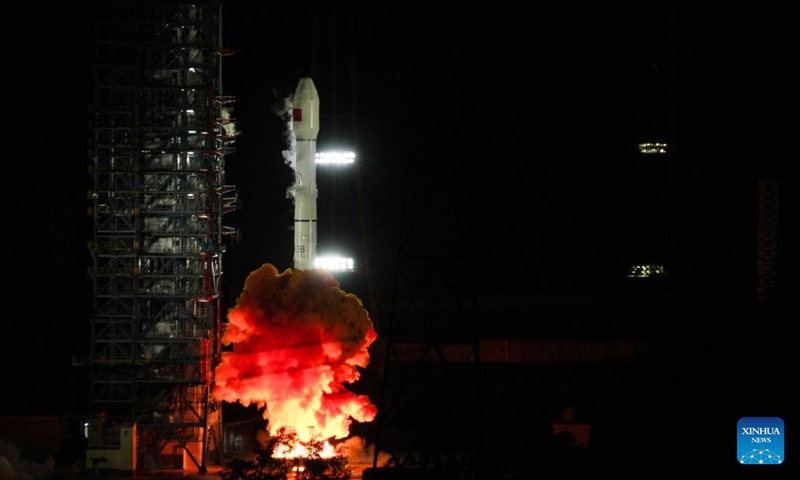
499, 141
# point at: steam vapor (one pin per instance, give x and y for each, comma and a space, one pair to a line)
282, 107
297, 339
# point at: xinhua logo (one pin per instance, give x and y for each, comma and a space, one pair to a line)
760, 441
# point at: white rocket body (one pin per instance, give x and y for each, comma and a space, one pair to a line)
305, 122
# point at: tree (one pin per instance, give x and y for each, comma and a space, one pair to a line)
267, 466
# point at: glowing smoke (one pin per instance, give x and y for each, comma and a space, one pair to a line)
297, 339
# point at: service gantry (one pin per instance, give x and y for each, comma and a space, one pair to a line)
159, 134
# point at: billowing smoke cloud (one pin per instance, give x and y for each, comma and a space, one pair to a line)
358, 451
282, 107
297, 340
13, 466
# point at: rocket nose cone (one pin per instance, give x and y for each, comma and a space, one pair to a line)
306, 82
305, 115
306, 90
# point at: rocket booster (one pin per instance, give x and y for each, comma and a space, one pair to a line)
305, 122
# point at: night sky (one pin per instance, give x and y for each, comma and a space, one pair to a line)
498, 141
517, 133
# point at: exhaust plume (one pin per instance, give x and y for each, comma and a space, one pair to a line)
297, 339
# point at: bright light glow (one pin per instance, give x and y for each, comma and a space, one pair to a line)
335, 158
335, 263
650, 148
645, 271
300, 451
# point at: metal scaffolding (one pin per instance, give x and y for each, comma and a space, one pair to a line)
160, 133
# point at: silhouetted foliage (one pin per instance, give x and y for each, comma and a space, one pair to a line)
268, 467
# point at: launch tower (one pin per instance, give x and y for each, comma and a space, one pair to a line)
160, 133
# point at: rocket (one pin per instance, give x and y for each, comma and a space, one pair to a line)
305, 123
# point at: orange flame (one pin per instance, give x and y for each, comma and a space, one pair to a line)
301, 451
297, 339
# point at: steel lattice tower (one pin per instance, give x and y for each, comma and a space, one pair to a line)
159, 136
767, 252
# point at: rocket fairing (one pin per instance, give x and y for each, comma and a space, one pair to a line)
305, 123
